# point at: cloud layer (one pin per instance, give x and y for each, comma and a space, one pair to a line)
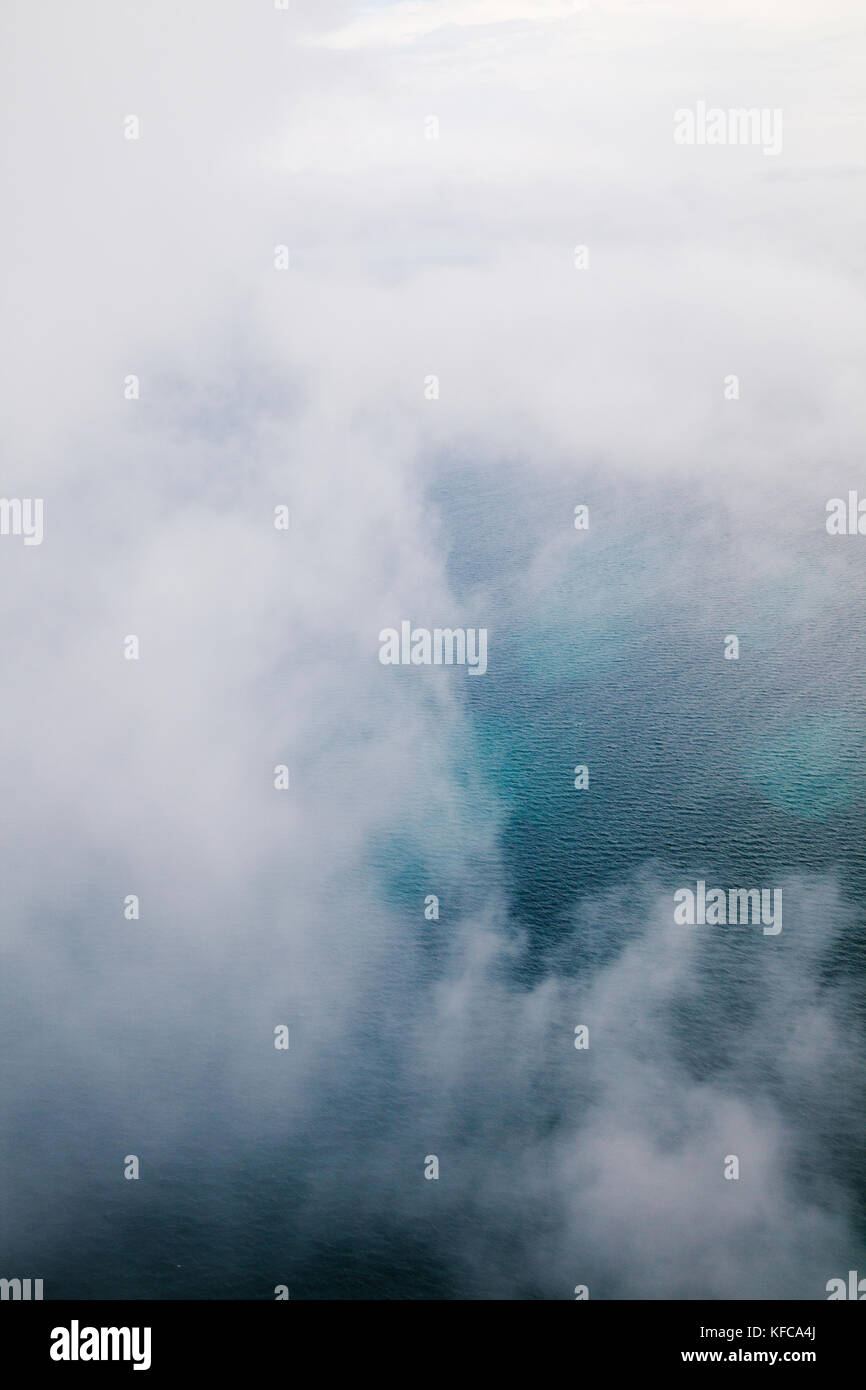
409, 257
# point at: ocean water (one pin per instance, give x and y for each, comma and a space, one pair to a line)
423, 246
454, 1037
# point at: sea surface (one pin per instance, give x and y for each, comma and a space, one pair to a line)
558, 1167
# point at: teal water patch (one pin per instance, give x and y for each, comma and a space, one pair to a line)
811, 767
593, 613
564, 650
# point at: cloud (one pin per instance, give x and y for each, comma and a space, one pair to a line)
408, 256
